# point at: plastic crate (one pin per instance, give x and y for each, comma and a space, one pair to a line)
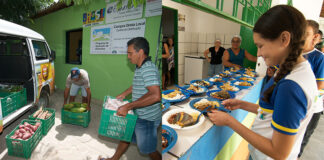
46, 123
121, 128
23, 148
9, 102
80, 119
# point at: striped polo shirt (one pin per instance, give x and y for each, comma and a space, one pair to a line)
145, 76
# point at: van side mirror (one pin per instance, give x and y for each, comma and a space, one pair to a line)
53, 55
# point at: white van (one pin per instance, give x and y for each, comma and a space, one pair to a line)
27, 61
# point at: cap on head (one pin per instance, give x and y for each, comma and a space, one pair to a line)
75, 72
237, 36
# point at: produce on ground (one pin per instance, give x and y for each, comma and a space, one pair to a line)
25, 131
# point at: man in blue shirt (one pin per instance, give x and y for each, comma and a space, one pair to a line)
316, 60
146, 97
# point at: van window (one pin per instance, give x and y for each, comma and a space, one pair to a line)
13, 46
40, 49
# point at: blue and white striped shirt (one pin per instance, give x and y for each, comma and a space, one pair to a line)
145, 76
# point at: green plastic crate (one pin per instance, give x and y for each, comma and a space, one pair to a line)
12, 101
9, 102
121, 128
80, 119
46, 123
23, 148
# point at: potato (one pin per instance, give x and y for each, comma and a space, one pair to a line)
21, 126
19, 135
37, 124
13, 137
22, 130
17, 132
26, 136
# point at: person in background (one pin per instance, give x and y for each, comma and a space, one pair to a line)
165, 56
234, 56
287, 100
269, 74
319, 46
170, 45
316, 60
76, 80
146, 98
215, 61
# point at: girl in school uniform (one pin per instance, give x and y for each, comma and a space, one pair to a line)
286, 104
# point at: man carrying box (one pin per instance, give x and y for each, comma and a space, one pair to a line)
146, 97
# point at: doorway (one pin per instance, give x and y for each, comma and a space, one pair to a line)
170, 30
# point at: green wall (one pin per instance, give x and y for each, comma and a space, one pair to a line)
109, 74
247, 37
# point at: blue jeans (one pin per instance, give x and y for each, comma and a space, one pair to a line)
214, 69
145, 135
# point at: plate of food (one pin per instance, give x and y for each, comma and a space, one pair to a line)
243, 78
201, 104
249, 73
243, 84
203, 83
225, 74
229, 87
194, 90
174, 95
216, 80
182, 118
233, 69
169, 138
220, 94
165, 106
214, 87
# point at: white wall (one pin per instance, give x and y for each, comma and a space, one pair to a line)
201, 30
310, 8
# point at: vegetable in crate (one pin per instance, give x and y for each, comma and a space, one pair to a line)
25, 131
42, 114
78, 110
68, 106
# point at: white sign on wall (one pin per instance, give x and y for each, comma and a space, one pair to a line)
124, 13
153, 8
113, 38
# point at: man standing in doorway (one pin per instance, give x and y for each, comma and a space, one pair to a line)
146, 97
76, 80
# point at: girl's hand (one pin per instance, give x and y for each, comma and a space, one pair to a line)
219, 118
232, 104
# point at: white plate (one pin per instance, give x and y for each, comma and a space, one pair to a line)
187, 110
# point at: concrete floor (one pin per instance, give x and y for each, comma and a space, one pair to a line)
70, 142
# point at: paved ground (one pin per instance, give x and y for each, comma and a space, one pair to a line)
70, 142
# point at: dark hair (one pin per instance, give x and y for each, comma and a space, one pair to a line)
140, 43
320, 32
314, 25
271, 24
172, 41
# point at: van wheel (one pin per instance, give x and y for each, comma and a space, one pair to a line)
43, 99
